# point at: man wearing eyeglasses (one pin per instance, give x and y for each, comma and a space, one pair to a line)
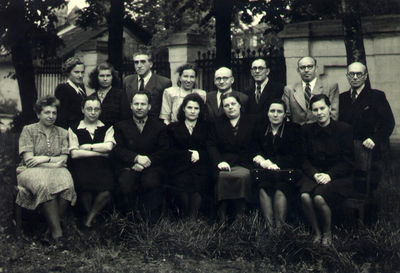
369, 112
263, 90
223, 80
146, 79
297, 97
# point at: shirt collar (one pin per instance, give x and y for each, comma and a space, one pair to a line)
280, 130
263, 84
312, 84
83, 125
359, 89
78, 89
140, 121
145, 78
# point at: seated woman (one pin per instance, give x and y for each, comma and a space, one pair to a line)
90, 143
43, 177
114, 102
278, 149
173, 96
228, 147
189, 167
328, 167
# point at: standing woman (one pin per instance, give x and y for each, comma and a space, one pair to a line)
228, 147
43, 178
173, 96
71, 93
327, 167
279, 151
114, 102
90, 144
188, 151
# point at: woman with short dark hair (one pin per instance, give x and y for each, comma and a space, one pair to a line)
43, 178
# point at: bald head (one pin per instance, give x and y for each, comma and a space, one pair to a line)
357, 66
356, 74
223, 79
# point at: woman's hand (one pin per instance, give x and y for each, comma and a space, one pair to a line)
322, 178
258, 159
36, 160
224, 166
273, 167
137, 167
195, 156
265, 164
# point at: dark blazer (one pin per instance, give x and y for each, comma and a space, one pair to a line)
214, 112
181, 141
152, 142
70, 111
115, 107
328, 149
223, 145
370, 115
272, 90
155, 86
285, 150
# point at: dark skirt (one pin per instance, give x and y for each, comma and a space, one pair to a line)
92, 174
235, 184
189, 181
273, 180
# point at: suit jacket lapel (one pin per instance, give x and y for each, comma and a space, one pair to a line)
151, 83
318, 88
214, 103
299, 96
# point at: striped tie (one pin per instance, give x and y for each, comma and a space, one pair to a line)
307, 94
258, 92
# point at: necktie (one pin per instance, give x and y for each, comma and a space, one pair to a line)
353, 95
258, 92
220, 103
307, 94
141, 84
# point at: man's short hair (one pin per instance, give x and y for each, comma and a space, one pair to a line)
143, 52
144, 92
267, 63
319, 97
315, 60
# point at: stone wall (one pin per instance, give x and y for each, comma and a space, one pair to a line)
324, 41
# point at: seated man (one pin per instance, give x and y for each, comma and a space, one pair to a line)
141, 144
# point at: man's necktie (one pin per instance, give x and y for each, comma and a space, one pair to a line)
141, 85
353, 95
307, 94
258, 92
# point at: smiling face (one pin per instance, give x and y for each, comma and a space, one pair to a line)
322, 111
105, 78
142, 64
276, 113
91, 110
140, 106
307, 69
47, 116
76, 74
259, 70
192, 110
223, 79
187, 79
231, 107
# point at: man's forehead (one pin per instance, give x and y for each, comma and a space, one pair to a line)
356, 67
306, 61
223, 72
258, 62
141, 57
140, 98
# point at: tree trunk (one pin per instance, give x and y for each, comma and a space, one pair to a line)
223, 17
115, 34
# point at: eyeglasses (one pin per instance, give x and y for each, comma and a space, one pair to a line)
258, 68
218, 79
358, 74
304, 67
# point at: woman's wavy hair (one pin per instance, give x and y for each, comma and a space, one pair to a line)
319, 97
192, 97
183, 68
93, 76
45, 101
277, 101
70, 63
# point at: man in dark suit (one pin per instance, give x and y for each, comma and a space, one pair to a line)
263, 90
141, 147
297, 97
223, 80
146, 79
369, 112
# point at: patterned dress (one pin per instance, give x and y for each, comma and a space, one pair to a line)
41, 184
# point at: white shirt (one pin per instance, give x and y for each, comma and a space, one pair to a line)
358, 90
145, 79
312, 84
263, 84
73, 138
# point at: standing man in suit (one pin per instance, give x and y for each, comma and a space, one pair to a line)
146, 79
141, 145
263, 90
369, 112
223, 80
297, 97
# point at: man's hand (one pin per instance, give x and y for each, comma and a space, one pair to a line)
224, 166
143, 160
195, 156
322, 178
137, 167
273, 167
369, 143
266, 163
258, 159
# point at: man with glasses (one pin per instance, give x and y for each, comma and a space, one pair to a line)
369, 112
263, 90
297, 97
145, 79
223, 80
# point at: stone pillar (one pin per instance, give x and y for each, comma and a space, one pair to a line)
183, 48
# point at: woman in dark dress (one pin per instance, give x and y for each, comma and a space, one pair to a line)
279, 151
114, 102
90, 144
189, 168
228, 147
71, 93
327, 167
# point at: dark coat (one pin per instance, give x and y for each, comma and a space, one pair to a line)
285, 150
272, 90
214, 112
69, 112
328, 149
155, 86
115, 107
152, 142
370, 115
223, 145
